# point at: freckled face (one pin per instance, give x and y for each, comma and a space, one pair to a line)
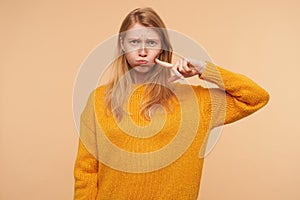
141, 45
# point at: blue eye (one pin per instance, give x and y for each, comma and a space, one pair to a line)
134, 42
152, 43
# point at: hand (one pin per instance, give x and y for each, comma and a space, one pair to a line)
183, 68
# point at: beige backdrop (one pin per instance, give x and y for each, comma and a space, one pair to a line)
43, 44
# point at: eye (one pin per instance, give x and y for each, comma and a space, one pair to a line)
152, 43
134, 42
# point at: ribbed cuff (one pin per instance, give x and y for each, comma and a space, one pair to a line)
211, 73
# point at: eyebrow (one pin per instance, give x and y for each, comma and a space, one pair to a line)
156, 39
133, 38
137, 38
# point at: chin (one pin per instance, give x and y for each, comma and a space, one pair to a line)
142, 69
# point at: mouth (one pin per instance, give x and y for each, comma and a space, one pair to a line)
142, 62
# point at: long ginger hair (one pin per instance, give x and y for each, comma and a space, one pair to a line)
119, 87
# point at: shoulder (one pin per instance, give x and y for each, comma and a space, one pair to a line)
100, 88
99, 91
96, 94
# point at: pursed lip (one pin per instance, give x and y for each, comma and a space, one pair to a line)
142, 62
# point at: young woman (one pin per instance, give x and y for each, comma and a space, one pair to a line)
140, 134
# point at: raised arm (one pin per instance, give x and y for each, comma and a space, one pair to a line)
237, 96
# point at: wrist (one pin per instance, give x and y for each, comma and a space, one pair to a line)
201, 67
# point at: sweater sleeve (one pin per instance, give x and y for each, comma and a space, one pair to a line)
86, 164
237, 95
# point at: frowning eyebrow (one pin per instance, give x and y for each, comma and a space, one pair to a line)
149, 38
154, 39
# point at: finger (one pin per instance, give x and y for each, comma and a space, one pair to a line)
194, 72
175, 70
185, 66
199, 65
164, 64
176, 65
180, 68
176, 73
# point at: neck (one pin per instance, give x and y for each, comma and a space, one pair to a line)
139, 78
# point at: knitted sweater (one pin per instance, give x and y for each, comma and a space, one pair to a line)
105, 169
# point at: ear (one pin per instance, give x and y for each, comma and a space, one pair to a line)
122, 44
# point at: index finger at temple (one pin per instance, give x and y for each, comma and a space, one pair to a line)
164, 64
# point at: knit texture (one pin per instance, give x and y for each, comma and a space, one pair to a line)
103, 173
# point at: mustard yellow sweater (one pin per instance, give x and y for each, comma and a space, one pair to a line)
105, 169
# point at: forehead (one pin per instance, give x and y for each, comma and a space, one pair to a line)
138, 30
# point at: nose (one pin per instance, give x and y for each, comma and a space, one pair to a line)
143, 52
